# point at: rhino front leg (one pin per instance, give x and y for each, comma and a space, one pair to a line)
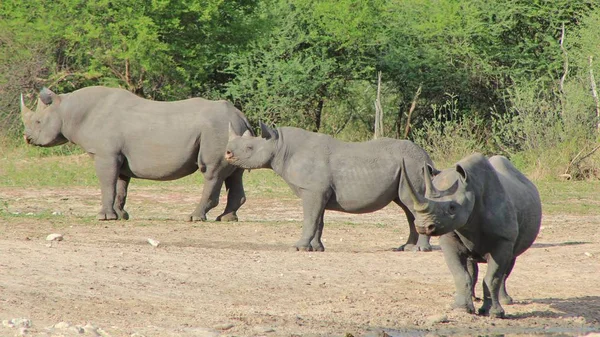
121, 197
210, 198
235, 196
313, 205
316, 243
107, 170
498, 263
456, 258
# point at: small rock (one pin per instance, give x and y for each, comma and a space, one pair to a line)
19, 323
23, 331
56, 213
137, 334
588, 254
54, 237
225, 326
7, 323
436, 319
77, 329
153, 242
61, 325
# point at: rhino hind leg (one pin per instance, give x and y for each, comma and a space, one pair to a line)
209, 200
316, 243
498, 265
504, 298
235, 196
121, 197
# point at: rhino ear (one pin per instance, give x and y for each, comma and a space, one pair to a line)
232, 133
267, 132
48, 97
432, 170
462, 172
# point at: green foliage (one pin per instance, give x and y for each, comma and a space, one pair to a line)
494, 75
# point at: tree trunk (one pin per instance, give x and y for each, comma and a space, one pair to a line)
318, 113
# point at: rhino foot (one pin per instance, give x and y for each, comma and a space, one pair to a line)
303, 249
466, 307
122, 214
409, 247
317, 247
492, 312
193, 217
506, 300
227, 217
107, 216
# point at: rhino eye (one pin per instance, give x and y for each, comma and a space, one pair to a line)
249, 148
451, 209
37, 122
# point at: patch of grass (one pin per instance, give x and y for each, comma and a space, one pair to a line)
570, 197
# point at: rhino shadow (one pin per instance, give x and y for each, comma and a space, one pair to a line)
587, 307
559, 244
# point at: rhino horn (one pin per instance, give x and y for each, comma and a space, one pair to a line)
232, 133
267, 132
247, 134
25, 111
430, 190
407, 190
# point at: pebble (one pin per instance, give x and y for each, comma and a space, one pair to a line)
153, 242
263, 329
17, 323
225, 326
588, 254
54, 237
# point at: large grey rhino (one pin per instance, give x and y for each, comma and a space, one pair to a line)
132, 137
330, 174
485, 210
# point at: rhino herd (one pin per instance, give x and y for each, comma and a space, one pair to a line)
483, 209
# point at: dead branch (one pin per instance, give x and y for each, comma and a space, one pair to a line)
565, 67
378, 110
595, 94
410, 111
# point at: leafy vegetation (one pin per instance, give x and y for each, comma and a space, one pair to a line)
509, 77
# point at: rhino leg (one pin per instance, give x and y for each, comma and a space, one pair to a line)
473, 270
504, 297
455, 254
210, 198
235, 196
107, 170
121, 197
415, 241
498, 263
313, 205
316, 243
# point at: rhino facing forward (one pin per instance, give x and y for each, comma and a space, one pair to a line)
330, 174
485, 210
132, 137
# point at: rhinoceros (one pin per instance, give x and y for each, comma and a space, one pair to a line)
484, 210
131, 137
331, 174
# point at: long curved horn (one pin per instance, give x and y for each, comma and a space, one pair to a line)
407, 190
430, 190
25, 111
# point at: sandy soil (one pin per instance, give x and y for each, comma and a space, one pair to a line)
242, 279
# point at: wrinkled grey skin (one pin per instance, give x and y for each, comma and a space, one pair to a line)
484, 210
131, 137
330, 174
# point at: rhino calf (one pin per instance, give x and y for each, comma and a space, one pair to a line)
330, 174
484, 210
132, 137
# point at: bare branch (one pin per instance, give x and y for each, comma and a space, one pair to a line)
410, 111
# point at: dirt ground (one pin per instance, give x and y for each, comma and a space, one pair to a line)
242, 279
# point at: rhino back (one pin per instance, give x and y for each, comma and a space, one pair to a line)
364, 176
525, 198
160, 140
